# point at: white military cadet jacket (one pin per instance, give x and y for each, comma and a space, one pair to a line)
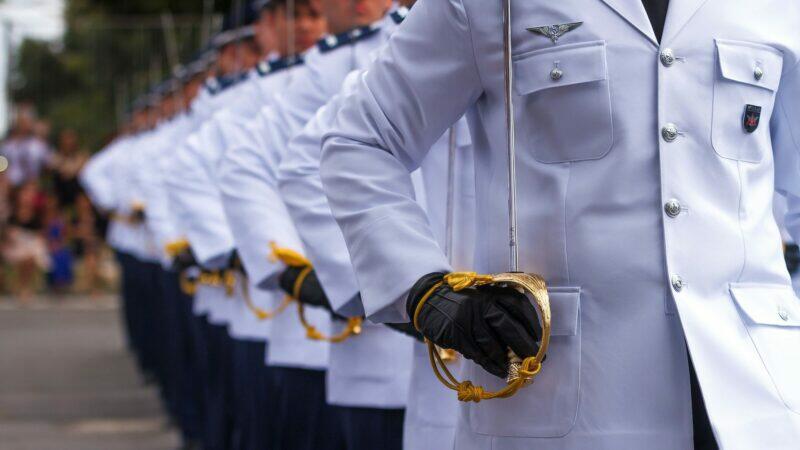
374, 368
646, 176
154, 170
107, 177
196, 205
254, 157
257, 217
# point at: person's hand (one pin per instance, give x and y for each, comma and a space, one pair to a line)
311, 292
480, 323
183, 260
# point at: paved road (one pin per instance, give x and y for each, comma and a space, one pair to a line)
67, 382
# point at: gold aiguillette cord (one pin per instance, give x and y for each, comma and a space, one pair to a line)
293, 259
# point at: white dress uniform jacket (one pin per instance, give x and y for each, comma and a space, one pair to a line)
196, 202
372, 369
254, 159
103, 177
641, 194
152, 175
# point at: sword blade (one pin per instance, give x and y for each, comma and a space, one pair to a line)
451, 193
510, 139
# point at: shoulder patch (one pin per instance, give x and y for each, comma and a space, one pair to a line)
334, 41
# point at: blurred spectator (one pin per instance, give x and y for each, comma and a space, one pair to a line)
66, 164
85, 243
27, 153
22, 243
59, 277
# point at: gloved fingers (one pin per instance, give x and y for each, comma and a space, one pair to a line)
514, 334
486, 339
311, 292
439, 324
519, 306
288, 278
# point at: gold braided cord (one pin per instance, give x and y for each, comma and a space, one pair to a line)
520, 373
229, 282
353, 328
298, 283
188, 286
294, 259
210, 278
262, 314
174, 248
287, 256
219, 278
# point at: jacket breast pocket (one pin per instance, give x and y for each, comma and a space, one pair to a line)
563, 110
747, 76
547, 407
771, 314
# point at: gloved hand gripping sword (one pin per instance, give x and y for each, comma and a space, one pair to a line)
488, 305
301, 284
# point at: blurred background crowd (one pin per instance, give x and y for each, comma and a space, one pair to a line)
49, 233
69, 69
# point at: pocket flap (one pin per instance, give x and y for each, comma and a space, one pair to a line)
774, 305
565, 305
739, 61
579, 63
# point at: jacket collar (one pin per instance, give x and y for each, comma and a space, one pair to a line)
680, 12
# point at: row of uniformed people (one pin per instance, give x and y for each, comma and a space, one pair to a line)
655, 135
223, 190
344, 181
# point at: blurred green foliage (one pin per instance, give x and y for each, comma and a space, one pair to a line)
112, 51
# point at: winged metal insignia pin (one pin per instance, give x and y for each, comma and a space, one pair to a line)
554, 32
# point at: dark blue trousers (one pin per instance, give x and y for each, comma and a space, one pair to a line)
154, 328
179, 352
128, 313
197, 369
307, 422
250, 396
371, 428
218, 389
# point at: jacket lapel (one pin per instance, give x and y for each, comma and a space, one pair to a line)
679, 14
633, 11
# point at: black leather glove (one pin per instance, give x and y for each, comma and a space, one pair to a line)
311, 292
184, 260
480, 323
407, 329
235, 263
792, 256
